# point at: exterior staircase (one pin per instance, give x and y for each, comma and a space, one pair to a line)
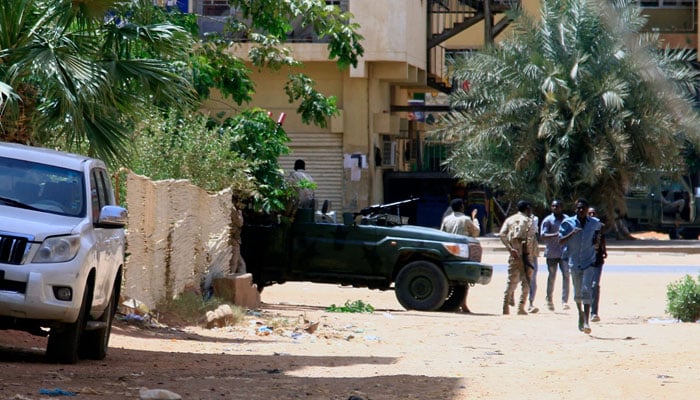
448, 18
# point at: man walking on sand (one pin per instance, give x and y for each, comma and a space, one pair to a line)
580, 234
549, 233
533, 244
514, 234
601, 255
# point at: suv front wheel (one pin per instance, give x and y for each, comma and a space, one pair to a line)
95, 340
421, 285
64, 341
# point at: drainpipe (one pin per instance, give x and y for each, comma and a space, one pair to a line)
370, 138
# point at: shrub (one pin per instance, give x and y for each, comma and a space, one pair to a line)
683, 299
357, 306
184, 147
240, 153
191, 308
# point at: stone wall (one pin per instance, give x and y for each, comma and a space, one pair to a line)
179, 238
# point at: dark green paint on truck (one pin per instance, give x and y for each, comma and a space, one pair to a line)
374, 253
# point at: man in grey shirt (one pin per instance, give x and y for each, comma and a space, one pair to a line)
549, 233
304, 185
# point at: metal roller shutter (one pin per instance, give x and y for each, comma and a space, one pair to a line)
323, 154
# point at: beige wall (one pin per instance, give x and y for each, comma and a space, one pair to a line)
179, 238
394, 30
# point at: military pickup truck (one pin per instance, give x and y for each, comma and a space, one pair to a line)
427, 268
667, 204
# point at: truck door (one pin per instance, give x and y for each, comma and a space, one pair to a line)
334, 249
640, 207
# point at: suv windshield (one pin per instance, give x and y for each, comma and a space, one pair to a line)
41, 187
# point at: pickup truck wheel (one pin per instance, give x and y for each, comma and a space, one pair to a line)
422, 286
455, 297
64, 341
690, 233
95, 342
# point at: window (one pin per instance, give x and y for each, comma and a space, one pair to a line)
101, 192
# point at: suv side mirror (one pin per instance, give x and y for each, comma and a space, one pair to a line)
112, 217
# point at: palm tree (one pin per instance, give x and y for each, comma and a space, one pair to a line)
77, 74
577, 103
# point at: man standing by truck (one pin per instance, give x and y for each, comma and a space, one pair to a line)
304, 185
458, 223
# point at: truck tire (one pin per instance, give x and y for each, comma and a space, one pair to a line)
455, 297
421, 285
690, 233
64, 341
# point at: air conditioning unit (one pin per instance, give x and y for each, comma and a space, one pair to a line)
389, 152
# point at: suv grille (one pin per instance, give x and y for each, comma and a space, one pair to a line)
475, 251
12, 249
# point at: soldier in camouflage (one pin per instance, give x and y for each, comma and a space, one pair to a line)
514, 233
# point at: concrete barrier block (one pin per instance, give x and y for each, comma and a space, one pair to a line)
238, 289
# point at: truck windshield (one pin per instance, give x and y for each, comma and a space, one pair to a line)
42, 187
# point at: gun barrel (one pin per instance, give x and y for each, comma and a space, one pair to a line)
379, 207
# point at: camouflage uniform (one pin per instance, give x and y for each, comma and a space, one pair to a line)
517, 234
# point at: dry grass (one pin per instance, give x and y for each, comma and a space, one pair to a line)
190, 309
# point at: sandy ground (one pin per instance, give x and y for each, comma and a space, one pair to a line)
635, 352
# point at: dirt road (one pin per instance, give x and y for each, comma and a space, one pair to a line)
635, 352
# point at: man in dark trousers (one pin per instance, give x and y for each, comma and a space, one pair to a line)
600, 256
580, 234
549, 232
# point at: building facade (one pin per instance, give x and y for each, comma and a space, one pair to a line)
376, 150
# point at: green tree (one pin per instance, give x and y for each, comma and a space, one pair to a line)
265, 24
78, 74
85, 75
575, 103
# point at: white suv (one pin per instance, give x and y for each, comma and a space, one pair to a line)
61, 250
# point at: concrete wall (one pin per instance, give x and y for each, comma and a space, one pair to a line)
394, 31
179, 237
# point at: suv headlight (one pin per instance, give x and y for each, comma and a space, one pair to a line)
457, 249
57, 249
